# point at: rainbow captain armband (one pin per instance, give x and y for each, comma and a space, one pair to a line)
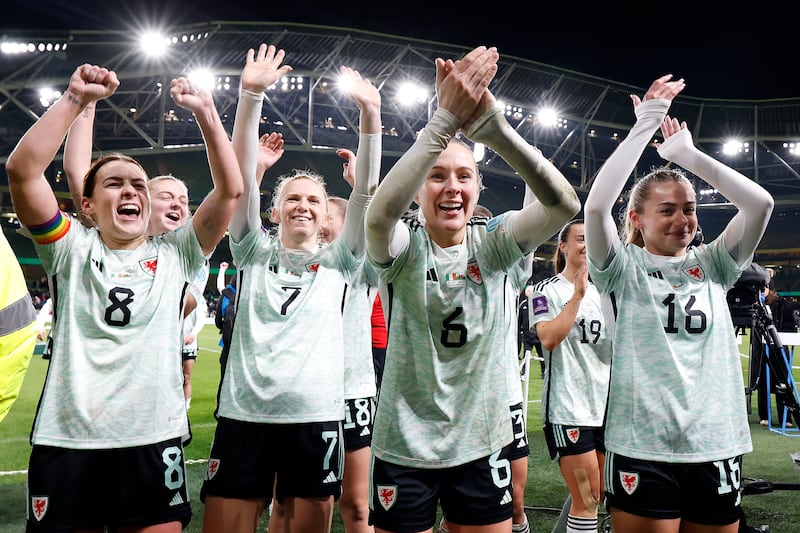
52, 230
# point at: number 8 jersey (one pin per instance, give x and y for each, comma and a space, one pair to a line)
115, 377
677, 392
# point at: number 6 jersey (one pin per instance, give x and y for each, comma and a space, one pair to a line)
444, 394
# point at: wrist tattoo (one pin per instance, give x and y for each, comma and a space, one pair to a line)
74, 100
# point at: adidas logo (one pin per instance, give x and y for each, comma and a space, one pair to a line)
331, 478
506, 498
176, 500
521, 443
365, 432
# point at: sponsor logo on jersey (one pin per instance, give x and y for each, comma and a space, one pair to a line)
313, 267
493, 223
629, 481
149, 265
213, 468
539, 305
455, 279
573, 434
39, 506
387, 495
474, 273
176, 500
695, 272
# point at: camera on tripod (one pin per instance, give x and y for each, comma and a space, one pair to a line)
748, 310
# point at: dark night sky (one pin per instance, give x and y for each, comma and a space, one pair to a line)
733, 53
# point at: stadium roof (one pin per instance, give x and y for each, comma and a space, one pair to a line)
595, 113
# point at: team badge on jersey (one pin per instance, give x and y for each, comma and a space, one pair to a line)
213, 468
573, 434
474, 273
539, 305
39, 506
387, 495
629, 481
313, 267
149, 265
695, 272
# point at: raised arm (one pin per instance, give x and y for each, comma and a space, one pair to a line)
602, 238
78, 152
223, 266
460, 86
31, 194
745, 229
261, 70
368, 158
557, 200
211, 218
270, 150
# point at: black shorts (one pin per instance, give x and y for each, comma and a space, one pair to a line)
705, 493
189, 354
359, 415
71, 490
518, 448
572, 440
405, 499
303, 460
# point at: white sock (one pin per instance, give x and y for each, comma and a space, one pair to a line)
521, 528
576, 524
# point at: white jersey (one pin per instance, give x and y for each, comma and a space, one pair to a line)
517, 277
286, 362
444, 395
115, 378
677, 392
193, 320
359, 370
577, 372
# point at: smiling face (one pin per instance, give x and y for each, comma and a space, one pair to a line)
448, 196
335, 222
170, 208
300, 210
574, 246
667, 219
119, 203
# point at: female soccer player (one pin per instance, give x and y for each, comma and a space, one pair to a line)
443, 416
677, 424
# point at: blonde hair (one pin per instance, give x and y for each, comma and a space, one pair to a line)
277, 195
166, 177
640, 193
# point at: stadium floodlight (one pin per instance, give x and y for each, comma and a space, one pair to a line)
203, 78
548, 117
409, 94
734, 147
793, 147
153, 44
478, 152
47, 96
19, 47
345, 83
